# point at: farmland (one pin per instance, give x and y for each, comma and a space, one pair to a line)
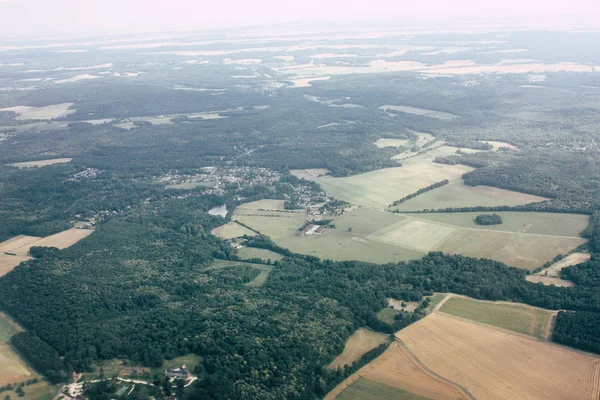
269, 218
357, 345
16, 250
571, 259
12, 368
511, 316
41, 113
371, 235
494, 364
40, 163
231, 230
258, 281
391, 376
390, 142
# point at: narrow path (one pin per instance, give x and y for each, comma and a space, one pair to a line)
550, 327
442, 302
464, 389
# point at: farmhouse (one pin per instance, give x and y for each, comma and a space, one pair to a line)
313, 229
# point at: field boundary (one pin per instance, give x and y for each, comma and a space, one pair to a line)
594, 386
461, 387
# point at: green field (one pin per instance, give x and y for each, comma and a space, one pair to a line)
457, 194
269, 218
42, 390
231, 230
260, 279
247, 253
525, 222
512, 316
128, 369
387, 315
366, 389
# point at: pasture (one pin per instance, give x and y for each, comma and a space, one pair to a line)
420, 111
231, 230
310, 174
258, 281
495, 364
515, 317
361, 341
40, 163
247, 253
270, 218
525, 222
394, 375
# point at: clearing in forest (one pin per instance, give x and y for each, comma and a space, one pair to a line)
395, 375
572, 259
515, 317
310, 173
247, 253
495, 364
419, 111
40, 163
258, 281
390, 142
356, 346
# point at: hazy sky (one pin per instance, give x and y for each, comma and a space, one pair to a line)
23, 17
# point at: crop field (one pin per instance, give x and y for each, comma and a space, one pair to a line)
260, 279
390, 142
495, 364
310, 174
40, 163
18, 247
497, 145
264, 254
12, 368
395, 375
231, 230
420, 111
366, 389
270, 218
44, 113
515, 317
525, 222
356, 346
414, 234
549, 281
190, 185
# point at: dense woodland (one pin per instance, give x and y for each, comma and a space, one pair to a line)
140, 288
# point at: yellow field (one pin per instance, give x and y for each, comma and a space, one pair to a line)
20, 245
40, 163
396, 368
12, 368
46, 112
358, 344
494, 364
231, 230
420, 111
549, 281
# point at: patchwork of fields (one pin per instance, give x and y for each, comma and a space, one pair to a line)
495, 364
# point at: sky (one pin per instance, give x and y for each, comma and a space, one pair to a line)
35, 17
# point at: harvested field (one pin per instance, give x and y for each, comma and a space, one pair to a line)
264, 254
40, 163
356, 346
64, 239
494, 364
498, 145
549, 281
414, 234
515, 317
396, 369
525, 222
420, 111
18, 247
306, 82
231, 230
12, 368
41, 113
572, 259
390, 142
